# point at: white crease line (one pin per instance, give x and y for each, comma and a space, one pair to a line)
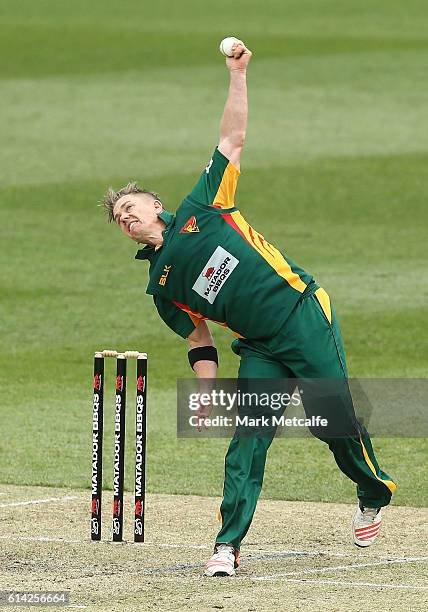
247, 554
341, 568
191, 546
39, 501
308, 553
304, 553
152, 544
87, 541
358, 584
39, 539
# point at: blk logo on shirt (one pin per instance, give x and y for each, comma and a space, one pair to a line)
214, 274
166, 270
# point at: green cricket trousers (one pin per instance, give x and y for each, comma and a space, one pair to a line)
309, 346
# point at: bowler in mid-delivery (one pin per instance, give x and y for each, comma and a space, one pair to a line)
208, 264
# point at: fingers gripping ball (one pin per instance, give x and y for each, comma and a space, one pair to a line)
227, 45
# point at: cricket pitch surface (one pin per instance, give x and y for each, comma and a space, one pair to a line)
297, 556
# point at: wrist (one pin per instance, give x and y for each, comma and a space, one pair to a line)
238, 72
203, 353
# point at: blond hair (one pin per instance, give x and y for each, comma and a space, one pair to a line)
113, 196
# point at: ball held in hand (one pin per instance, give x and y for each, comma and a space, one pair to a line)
227, 44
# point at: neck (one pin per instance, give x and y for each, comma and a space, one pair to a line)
155, 238
157, 242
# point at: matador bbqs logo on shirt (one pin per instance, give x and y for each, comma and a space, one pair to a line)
215, 273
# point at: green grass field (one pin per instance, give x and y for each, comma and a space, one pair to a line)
334, 173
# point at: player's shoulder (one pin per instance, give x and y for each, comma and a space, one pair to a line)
216, 184
218, 158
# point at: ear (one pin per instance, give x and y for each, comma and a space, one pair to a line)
158, 206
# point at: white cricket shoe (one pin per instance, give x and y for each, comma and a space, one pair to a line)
223, 562
366, 525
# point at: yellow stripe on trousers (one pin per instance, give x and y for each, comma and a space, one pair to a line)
324, 300
388, 483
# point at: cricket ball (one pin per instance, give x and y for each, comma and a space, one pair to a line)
226, 45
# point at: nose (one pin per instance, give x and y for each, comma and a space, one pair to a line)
124, 217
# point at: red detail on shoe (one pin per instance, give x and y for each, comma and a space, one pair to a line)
368, 534
369, 537
368, 528
365, 533
372, 534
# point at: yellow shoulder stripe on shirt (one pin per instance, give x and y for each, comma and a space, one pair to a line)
225, 196
270, 253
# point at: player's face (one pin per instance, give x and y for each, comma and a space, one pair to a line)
137, 216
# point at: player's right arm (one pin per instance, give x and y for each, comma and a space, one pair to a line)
233, 126
217, 184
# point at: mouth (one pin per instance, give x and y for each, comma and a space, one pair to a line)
131, 225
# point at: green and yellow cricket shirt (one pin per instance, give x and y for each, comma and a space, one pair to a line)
213, 265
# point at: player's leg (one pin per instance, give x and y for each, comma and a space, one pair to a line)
312, 347
244, 467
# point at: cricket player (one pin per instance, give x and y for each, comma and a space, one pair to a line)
208, 264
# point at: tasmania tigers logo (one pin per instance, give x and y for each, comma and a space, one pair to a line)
190, 226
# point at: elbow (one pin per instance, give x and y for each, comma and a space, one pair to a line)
233, 141
232, 149
237, 140
201, 336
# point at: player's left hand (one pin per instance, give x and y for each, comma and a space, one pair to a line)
202, 413
241, 57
